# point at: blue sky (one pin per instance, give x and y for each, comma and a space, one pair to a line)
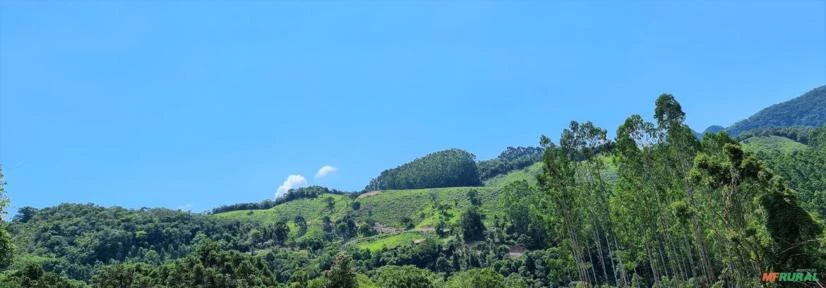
201, 103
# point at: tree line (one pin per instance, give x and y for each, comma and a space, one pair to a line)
681, 212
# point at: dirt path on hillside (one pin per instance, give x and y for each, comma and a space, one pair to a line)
368, 194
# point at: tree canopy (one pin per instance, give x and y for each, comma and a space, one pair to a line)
448, 168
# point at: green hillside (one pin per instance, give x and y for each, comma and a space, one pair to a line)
387, 208
807, 110
313, 211
531, 172
390, 241
528, 174
772, 143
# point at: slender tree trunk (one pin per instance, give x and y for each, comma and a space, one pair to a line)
652, 265
689, 256
599, 250
593, 268
583, 276
623, 275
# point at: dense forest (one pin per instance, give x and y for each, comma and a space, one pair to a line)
799, 134
653, 207
806, 110
448, 168
805, 171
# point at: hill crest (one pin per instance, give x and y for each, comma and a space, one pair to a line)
808, 109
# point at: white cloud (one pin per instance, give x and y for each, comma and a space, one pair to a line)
292, 181
185, 207
325, 170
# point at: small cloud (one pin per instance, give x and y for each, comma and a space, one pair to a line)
325, 170
185, 207
292, 181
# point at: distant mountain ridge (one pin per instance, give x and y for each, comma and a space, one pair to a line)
807, 110
714, 129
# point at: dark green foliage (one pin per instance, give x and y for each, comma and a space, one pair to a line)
293, 194
807, 110
528, 228
404, 277
441, 228
301, 223
278, 232
804, 171
793, 230
331, 203
513, 158
407, 222
797, 133
477, 278
366, 230
346, 227
24, 214
472, 227
341, 275
208, 266
473, 197
79, 236
6, 248
32, 275
448, 168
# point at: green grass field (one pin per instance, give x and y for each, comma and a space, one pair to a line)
307, 208
391, 206
772, 143
388, 208
528, 174
391, 241
313, 211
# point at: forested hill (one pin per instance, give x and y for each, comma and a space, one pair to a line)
448, 168
808, 110
453, 168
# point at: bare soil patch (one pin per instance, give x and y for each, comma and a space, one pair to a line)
368, 194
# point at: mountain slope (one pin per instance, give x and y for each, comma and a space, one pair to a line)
389, 209
807, 110
772, 143
528, 174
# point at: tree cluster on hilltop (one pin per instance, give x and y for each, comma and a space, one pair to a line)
448, 168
